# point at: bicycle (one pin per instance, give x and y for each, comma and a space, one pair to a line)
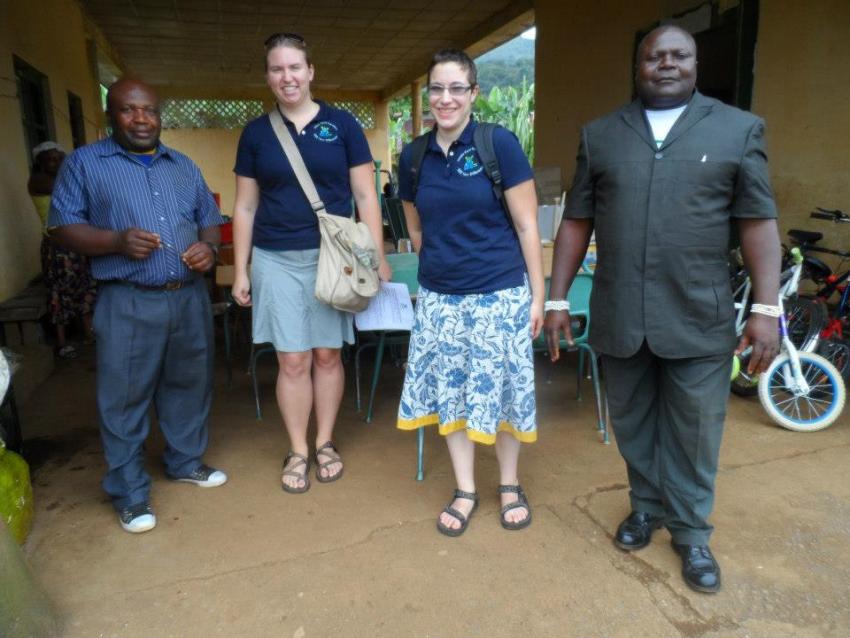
832, 343
805, 316
801, 391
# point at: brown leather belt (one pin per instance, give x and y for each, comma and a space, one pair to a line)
171, 285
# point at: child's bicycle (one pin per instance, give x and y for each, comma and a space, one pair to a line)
805, 317
801, 391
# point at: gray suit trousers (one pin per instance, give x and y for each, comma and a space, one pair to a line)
668, 418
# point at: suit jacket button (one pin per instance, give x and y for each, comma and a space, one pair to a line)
659, 155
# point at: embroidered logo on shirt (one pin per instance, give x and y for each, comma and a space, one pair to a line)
325, 132
468, 163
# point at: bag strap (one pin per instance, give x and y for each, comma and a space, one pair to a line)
482, 138
417, 156
296, 161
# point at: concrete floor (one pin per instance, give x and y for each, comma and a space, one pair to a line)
361, 557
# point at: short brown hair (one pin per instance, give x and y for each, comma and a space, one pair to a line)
461, 58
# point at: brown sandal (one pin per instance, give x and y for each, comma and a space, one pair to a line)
522, 501
451, 511
329, 451
300, 460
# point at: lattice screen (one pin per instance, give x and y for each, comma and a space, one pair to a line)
363, 112
226, 114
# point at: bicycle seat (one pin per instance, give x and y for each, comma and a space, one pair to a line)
805, 236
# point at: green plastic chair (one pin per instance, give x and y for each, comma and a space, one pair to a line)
405, 270
579, 298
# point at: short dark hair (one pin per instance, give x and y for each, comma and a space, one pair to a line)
662, 29
459, 57
125, 79
283, 39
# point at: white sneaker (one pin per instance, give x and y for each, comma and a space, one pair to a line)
204, 476
137, 518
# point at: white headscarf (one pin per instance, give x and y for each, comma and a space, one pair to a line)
46, 146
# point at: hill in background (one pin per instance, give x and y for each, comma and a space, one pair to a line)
506, 65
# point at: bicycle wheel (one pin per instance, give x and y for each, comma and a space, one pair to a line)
837, 352
814, 410
805, 318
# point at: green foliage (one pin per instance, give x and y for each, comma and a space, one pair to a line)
513, 108
400, 114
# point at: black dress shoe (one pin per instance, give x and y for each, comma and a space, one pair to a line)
699, 569
636, 531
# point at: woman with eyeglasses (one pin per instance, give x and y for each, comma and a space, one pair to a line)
275, 226
470, 367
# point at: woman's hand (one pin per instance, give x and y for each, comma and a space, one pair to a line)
241, 289
385, 271
536, 318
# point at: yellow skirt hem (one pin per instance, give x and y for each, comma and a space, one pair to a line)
474, 435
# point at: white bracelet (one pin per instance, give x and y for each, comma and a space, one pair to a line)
764, 309
563, 304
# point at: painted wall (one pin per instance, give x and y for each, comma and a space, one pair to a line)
54, 42
801, 89
582, 70
214, 151
802, 54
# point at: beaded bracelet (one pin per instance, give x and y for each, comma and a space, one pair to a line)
562, 304
764, 309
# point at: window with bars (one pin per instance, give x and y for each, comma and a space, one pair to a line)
224, 114
36, 107
363, 112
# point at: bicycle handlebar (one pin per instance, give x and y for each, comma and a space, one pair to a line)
831, 215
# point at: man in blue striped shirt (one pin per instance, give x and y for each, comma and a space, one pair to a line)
145, 216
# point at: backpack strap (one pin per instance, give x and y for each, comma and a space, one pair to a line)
482, 137
417, 156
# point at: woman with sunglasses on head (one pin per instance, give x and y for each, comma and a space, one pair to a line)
276, 227
470, 368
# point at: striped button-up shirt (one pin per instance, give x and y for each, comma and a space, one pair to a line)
105, 186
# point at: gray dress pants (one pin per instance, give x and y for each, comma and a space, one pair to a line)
668, 415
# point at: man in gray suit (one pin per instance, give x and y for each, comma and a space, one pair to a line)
659, 182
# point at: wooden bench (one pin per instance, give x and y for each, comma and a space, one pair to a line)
29, 305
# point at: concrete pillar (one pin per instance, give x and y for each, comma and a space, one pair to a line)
416, 107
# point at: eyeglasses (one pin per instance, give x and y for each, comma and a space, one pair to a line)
276, 39
455, 90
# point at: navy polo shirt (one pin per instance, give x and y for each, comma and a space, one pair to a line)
468, 244
330, 144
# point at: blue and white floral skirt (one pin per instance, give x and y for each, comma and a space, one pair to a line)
470, 365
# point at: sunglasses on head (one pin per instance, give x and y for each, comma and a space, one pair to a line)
278, 38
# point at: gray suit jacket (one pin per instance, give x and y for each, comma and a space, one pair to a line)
662, 219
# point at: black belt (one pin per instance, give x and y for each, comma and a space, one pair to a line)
170, 285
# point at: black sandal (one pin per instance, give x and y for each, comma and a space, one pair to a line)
464, 520
521, 501
305, 476
328, 450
